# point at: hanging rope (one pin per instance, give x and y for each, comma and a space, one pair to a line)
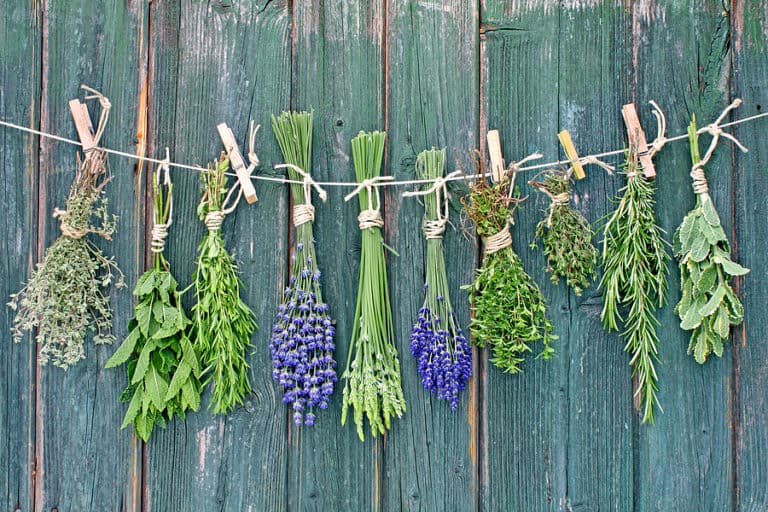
370, 217
434, 228
305, 212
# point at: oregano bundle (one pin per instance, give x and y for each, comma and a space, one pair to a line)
223, 322
708, 305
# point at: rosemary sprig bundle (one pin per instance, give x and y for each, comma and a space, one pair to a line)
66, 296
437, 342
372, 377
708, 305
302, 344
163, 368
566, 236
634, 283
223, 322
510, 311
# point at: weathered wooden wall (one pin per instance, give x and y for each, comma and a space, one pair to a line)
561, 436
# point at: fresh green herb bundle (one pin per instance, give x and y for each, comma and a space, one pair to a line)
634, 283
163, 368
302, 344
566, 236
372, 377
66, 295
223, 322
509, 309
708, 305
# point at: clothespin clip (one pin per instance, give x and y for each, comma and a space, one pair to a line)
637, 139
237, 162
495, 155
83, 125
572, 154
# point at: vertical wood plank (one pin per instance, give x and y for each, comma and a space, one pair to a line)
682, 58
750, 74
526, 435
433, 101
85, 462
227, 62
20, 31
338, 69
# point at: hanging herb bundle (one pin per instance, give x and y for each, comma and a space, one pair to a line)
163, 369
566, 236
634, 283
372, 377
302, 337
510, 311
223, 322
708, 305
442, 351
66, 296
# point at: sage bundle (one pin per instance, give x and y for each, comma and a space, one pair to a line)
634, 283
566, 236
162, 365
437, 342
509, 309
67, 296
708, 305
301, 345
372, 377
223, 322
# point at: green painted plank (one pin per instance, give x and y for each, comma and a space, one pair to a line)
432, 100
684, 462
223, 62
86, 463
750, 412
600, 406
525, 442
19, 103
338, 66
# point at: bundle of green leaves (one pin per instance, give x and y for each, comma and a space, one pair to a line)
223, 322
708, 305
372, 377
509, 309
566, 236
66, 296
634, 283
163, 368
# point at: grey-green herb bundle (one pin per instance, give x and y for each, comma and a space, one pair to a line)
372, 377
223, 322
509, 309
67, 295
162, 365
634, 282
566, 236
302, 344
708, 305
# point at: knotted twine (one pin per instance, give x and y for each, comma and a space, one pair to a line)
434, 228
498, 241
305, 212
561, 199
160, 229
370, 217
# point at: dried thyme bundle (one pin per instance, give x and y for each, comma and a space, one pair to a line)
566, 236
163, 368
66, 296
708, 305
442, 351
223, 322
302, 337
372, 378
634, 284
510, 311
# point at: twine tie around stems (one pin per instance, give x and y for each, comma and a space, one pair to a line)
434, 228
160, 230
214, 219
370, 217
67, 229
498, 241
305, 212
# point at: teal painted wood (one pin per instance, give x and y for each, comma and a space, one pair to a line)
432, 97
84, 461
338, 69
750, 401
224, 62
19, 103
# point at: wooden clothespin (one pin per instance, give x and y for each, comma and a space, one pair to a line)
83, 125
572, 154
494, 152
237, 162
637, 139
